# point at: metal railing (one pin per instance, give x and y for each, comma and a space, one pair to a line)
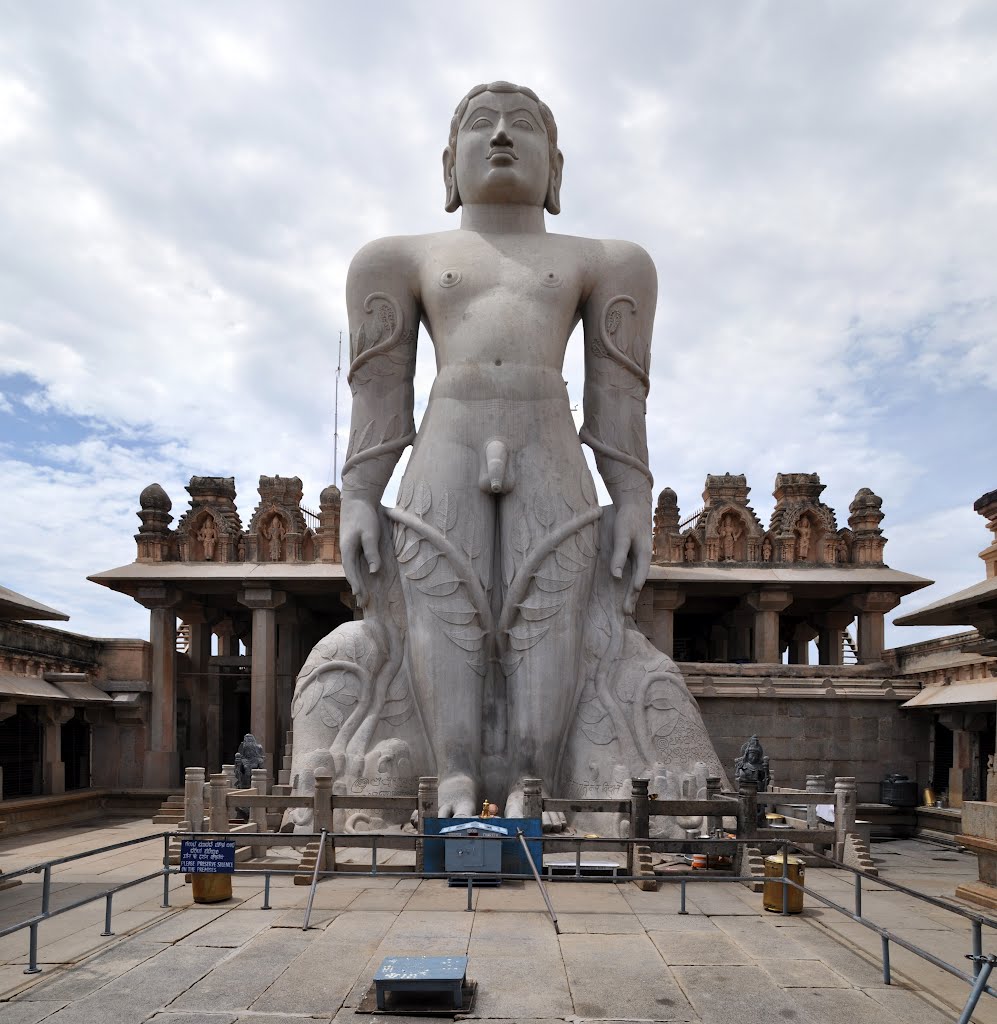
731, 848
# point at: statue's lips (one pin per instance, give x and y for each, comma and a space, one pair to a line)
502, 156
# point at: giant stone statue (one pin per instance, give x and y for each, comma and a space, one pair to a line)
497, 642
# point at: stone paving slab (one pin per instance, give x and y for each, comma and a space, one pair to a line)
239, 981
598, 924
686, 949
230, 930
642, 986
96, 972
323, 975
738, 995
803, 974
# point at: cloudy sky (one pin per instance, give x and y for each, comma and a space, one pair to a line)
182, 187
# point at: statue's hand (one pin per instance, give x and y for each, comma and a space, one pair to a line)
632, 539
359, 535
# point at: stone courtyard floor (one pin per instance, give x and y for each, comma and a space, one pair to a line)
622, 955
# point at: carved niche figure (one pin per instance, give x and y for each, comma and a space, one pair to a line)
730, 533
208, 536
766, 550
689, 549
275, 534
803, 532
753, 765
497, 593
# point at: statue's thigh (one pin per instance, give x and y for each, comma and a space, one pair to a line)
548, 529
444, 538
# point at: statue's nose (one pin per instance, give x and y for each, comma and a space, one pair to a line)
501, 136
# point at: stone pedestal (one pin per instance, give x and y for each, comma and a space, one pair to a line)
979, 833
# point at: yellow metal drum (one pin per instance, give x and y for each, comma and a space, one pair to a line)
772, 890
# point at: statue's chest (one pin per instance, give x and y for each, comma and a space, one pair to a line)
456, 282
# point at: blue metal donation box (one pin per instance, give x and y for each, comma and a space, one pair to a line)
207, 856
465, 850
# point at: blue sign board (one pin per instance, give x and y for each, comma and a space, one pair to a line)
514, 861
207, 856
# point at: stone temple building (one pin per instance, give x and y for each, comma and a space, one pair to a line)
778, 629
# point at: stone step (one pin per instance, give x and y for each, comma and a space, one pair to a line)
168, 818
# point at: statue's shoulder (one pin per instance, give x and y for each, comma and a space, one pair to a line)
614, 262
398, 256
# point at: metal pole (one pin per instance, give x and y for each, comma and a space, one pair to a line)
107, 916
373, 855
578, 860
985, 965
33, 967
682, 909
46, 887
858, 895
470, 893
266, 891
166, 869
977, 948
886, 960
785, 879
311, 892
536, 875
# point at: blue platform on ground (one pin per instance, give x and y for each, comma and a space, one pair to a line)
513, 859
421, 975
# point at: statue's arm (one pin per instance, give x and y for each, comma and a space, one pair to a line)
384, 323
618, 317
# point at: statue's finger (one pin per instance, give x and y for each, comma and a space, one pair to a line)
369, 540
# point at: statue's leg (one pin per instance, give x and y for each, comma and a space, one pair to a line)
548, 527
444, 539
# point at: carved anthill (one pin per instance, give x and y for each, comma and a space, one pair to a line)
212, 522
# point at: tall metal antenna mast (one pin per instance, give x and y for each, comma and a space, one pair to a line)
335, 427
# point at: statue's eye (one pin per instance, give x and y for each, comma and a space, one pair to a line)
522, 123
482, 122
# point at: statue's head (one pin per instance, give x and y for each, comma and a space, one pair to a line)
503, 149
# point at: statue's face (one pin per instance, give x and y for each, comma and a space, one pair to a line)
503, 153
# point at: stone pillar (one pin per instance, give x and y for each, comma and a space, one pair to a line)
799, 645
815, 784
428, 807
228, 642
767, 604
264, 602
830, 636
54, 717
872, 608
640, 819
845, 801
290, 658
532, 798
200, 661
193, 799
739, 639
666, 601
162, 762
217, 800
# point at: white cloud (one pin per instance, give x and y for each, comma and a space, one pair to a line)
186, 187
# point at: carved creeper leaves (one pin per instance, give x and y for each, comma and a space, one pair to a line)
405, 494
543, 509
423, 499
446, 513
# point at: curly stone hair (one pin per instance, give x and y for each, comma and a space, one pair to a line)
552, 204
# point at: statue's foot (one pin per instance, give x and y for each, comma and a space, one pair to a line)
515, 802
458, 796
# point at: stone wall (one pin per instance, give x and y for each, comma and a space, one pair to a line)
832, 736
31, 649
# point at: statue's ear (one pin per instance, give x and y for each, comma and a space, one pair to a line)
553, 201
450, 181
